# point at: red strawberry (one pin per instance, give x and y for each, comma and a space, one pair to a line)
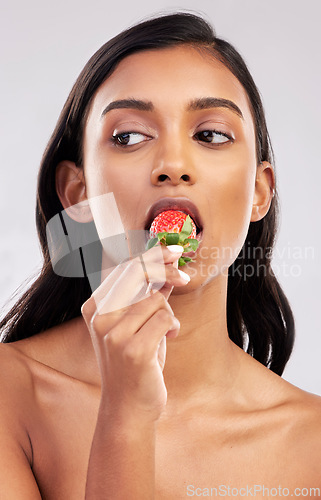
173, 227
170, 221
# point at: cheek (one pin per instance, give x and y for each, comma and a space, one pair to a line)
231, 207
240, 189
108, 173
115, 195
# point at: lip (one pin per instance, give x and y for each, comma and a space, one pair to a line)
180, 203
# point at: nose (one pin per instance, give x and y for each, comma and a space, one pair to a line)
173, 164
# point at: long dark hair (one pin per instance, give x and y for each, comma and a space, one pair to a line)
259, 317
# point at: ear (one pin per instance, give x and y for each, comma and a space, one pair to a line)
264, 191
71, 189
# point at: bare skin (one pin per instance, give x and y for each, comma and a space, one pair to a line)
270, 436
225, 418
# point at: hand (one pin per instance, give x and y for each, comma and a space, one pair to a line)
129, 330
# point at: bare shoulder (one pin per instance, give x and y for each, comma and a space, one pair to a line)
302, 409
298, 424
16, 413
16, 381
303, 439
30, 367
16, 396
288, 417
305, 412
15, 373
64, 350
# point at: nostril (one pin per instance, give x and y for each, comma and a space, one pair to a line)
163, 177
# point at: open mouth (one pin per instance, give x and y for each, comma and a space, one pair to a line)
181, 204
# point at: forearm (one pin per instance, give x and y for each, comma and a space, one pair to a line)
122, 459
130, 345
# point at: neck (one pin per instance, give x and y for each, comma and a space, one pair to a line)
202, 355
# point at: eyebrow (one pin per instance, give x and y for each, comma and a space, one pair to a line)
215, 102
128, 103
196, 104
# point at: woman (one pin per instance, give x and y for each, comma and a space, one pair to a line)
163, 116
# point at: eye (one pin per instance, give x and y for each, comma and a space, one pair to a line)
213, 137
128, 138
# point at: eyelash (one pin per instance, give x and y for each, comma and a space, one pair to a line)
218, 132
114, 139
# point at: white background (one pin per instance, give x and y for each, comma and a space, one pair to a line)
44, 46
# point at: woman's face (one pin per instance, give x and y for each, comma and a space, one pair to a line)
183, 129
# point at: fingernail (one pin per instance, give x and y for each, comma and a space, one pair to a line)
185, 276
175, 248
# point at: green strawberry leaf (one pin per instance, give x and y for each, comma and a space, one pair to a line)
187, 227
193, 245
182, 238
183, 260
172, 238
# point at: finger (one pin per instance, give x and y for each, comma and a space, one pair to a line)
131, 285
89, 307
116, 293
160, 254
94, 303
163, 254
167, 289
131, 289
148, 338
126, 326
149, 344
